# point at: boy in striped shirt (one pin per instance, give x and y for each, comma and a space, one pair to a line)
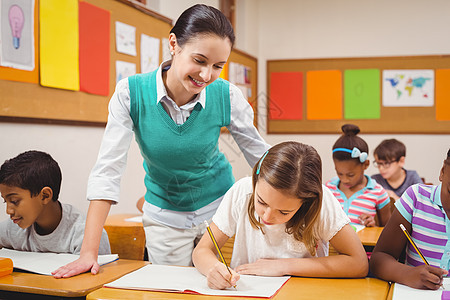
423, 210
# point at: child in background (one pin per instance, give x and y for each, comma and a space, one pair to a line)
360, 196
30, 185
282, 219
390, 159
424, 211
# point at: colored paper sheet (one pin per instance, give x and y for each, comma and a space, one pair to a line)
324, 95
59, 44
30, 14
443, 95
362, 94
17, 34
94, 49
286, 96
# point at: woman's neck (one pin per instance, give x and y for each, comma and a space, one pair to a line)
175, 89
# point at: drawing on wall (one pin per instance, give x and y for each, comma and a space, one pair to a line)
408, 88
124, 69
149, 53
125, 38
17, 34
165, 49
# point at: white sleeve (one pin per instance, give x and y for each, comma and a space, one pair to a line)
332, 216
104, 180
231, 208
242, 129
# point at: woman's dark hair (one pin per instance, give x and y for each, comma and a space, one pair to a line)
296, 170
349, 140
202, 19
32, 171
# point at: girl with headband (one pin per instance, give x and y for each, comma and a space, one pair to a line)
361, 197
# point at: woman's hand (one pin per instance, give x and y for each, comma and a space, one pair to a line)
367, 220
81, 265
425, 277
219, 278
262, 267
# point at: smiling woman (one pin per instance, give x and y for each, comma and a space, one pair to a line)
176, 114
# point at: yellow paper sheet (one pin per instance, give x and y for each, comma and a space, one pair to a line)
59, 44
324, 95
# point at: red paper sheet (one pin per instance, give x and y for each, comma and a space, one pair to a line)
94, 49
286, 96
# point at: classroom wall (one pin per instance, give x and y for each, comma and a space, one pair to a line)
267, 30
352, 28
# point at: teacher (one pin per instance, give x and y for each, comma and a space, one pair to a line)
176, 114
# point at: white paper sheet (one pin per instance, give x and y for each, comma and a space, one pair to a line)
402, 292
186, 279
46, 263
125, 38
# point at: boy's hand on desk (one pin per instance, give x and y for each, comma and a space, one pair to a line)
219, 278
425, 277
262, 267
81, 265
367, 220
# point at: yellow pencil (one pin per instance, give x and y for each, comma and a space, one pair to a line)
414, 244
218, 249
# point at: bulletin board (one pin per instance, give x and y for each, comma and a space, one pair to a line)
404, 120
249, 61
31, 102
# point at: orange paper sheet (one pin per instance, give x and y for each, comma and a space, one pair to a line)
324, 95
94, 49
59, 44
286, 96
443, 95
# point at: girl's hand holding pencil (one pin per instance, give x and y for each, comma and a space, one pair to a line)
219, 278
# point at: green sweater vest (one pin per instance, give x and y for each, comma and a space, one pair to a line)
184, 168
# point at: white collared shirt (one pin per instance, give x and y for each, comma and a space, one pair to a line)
104, 180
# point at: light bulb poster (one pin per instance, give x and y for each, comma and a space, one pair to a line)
17, 34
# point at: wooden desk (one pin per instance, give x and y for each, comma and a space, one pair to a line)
126, 238
295, 288
77, 286
369, 235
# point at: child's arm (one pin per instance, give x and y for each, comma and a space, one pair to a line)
206, 262
96, 217
350, 262
384, 215
384, 260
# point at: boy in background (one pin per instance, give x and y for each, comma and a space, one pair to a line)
30, 185
390, 159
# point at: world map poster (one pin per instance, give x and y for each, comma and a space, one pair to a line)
408, 88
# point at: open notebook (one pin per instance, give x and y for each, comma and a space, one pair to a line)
189, 280
405, 292
45, 263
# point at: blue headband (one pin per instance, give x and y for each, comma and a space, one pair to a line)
356, 153
260, 162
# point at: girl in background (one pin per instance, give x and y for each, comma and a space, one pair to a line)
361, 197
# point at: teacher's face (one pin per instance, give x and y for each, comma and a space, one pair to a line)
199, 62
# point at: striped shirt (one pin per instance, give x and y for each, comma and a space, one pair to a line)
365, 201
421, 206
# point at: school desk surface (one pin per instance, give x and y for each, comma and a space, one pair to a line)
77, 286
295, 288
369, 235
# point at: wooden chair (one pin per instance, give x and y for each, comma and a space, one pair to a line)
125, 238
227, 250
